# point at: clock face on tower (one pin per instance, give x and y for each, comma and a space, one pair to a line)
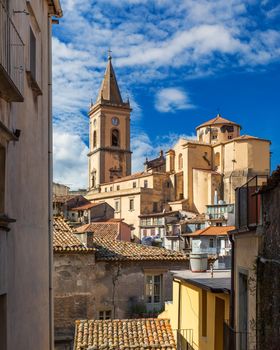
115, 121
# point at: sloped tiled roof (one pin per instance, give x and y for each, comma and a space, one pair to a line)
108, 230
246, 137
130, 334
213, 231
62, 198
88, 206
217, 120
64, 239
108, 249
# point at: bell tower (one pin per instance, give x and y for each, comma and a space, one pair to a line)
109, 133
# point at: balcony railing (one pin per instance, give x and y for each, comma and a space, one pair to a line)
248, 203
234, 340
11, 58
184, 339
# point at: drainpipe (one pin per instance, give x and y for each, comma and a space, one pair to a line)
232, 298
50, 177
179, 306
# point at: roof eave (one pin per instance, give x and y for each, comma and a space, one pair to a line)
56, 6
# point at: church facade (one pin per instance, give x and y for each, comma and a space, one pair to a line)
191, 175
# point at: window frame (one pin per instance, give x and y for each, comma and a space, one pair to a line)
105, 314
117, 205
150, 289
131, 207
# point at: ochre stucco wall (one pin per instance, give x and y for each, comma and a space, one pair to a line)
190, 314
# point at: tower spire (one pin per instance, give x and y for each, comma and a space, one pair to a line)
109, 89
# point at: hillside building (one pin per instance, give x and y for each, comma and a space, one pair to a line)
192, 175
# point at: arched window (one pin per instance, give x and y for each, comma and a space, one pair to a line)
115, 137
94, 138
93, 179
180, 161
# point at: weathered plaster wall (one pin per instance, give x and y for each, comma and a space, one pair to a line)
268, 275
25, 247
83, 288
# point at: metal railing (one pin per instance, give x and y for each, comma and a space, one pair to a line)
11, 50
234, 340
248, 202
184, 339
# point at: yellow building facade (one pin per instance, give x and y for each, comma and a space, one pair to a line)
199, 308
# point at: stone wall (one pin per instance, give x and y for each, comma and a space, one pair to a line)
82, 288
268, 274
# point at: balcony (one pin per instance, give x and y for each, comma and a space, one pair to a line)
248, 203
11, 59
184, 339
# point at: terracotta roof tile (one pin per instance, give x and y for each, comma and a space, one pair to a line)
108, 230
88, 206
134, 176
108, 249
124, 334
212, 231
64, 238
217, 120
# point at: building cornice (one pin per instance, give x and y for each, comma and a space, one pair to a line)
110, 149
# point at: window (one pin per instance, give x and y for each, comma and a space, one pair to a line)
118, 187
2, 178
32, 54
145, 183
105, 189
153, 289
117, 206
180, 161
155, 207
111, 188
211, 243
115, 137
149, 221
134, 184
94, 138
214, 134
131, 204
93, 177
204, 313
105, 315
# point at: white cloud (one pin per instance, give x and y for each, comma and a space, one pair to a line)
172, 99
70, 160
151, 40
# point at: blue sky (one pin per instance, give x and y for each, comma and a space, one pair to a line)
179, 61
